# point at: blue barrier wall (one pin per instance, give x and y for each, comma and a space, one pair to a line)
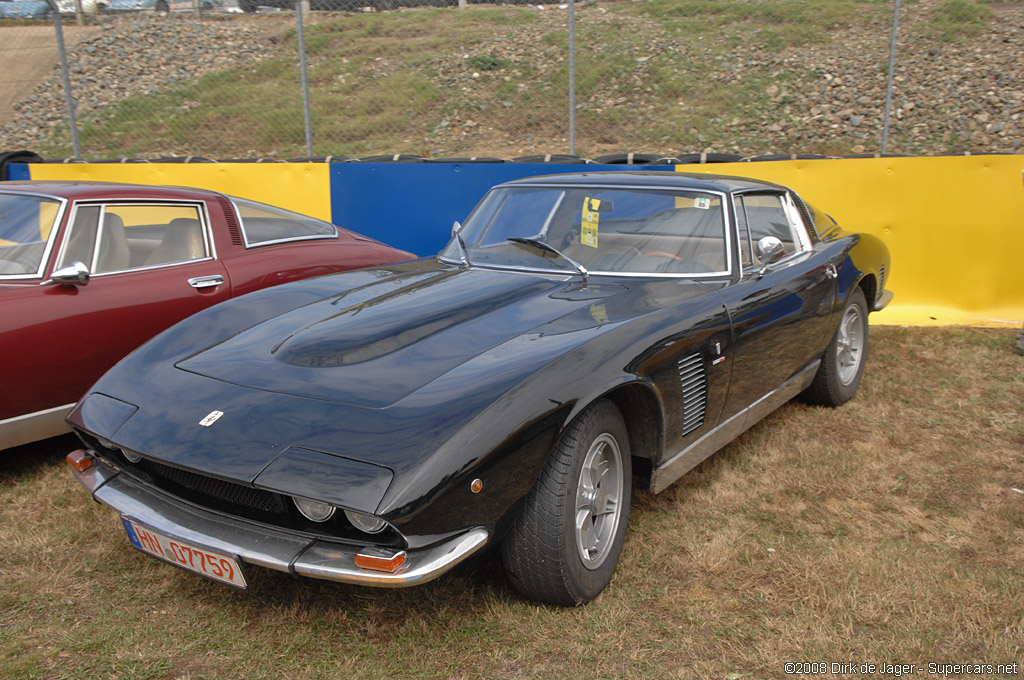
412, 205
951, 223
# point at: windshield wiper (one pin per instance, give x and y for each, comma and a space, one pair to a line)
537, 243
462, 249
463, 253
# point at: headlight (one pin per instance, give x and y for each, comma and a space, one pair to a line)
131, 455
365, 523
314, 510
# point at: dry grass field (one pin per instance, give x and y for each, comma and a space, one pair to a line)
888, 531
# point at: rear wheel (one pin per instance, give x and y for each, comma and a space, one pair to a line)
842, 366
565, 544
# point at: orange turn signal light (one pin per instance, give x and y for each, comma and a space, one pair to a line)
79, 459
380, 560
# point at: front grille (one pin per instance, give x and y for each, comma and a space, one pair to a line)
242, 500
212, 489
693, 377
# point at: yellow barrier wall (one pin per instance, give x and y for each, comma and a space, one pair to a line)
302, 187
954, 227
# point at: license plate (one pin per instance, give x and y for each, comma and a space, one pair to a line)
209, 563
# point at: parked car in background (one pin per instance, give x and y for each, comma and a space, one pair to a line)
87, 6
88, 271
24, 9
377, 427
323, 5
230, 6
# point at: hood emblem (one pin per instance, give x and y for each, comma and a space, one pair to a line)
211, 418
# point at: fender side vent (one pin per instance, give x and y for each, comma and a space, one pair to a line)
881, 278
694, 379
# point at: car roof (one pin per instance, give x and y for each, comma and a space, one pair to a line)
650, 179
79, 190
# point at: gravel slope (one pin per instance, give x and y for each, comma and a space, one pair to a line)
827, 98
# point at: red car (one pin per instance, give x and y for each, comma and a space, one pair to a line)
89, 271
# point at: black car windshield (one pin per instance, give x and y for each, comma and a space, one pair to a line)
25, 226
605, 230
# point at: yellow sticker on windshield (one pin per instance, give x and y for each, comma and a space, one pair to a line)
589, 221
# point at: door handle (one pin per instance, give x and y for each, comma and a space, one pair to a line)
830, 271
206, 281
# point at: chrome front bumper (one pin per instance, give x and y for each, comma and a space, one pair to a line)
265, 546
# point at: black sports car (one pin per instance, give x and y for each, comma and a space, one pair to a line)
582, 330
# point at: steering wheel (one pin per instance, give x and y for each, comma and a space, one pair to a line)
662, 253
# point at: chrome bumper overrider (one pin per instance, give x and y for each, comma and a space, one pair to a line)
884, 299
264, 546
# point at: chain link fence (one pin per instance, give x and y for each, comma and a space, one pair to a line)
254, 79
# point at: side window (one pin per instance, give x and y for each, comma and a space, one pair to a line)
767, 216
119, 237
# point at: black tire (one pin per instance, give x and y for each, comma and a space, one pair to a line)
842, 365
547, 557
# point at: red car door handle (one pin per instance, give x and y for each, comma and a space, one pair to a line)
206, 281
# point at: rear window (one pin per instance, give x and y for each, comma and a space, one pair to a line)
263, 224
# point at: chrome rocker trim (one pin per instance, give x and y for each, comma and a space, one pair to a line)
265, 546
695, 454
32, 427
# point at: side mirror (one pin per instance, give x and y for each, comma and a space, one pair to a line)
75, 274
456, 227
769, 249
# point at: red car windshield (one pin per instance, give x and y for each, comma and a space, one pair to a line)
26, 224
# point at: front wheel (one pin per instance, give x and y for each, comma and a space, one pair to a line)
842, 366
564, 546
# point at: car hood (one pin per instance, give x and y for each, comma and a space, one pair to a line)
376, 344
418, 369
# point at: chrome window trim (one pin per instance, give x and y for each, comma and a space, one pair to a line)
204, 221
796, 221
50, 240
292, 239
727, 227
798, 227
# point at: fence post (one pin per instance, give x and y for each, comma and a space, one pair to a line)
305, 79
68, 99
892, 73
572, 77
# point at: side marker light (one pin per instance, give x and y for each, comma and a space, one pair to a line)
79, 460
380, 560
